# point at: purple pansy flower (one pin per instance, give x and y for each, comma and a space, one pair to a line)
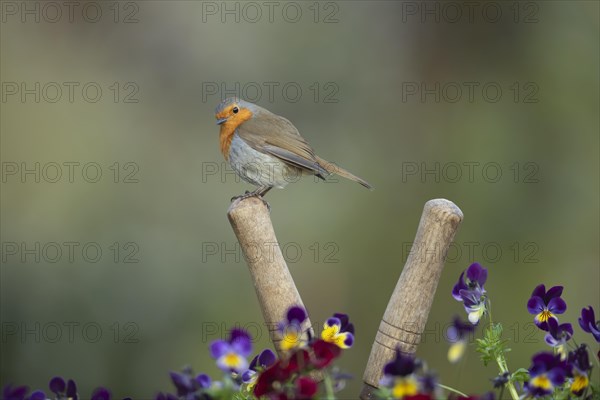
558, 335
291, 328
186, 383
101, 394
339, 331
457, 335
57, 385
260, 362
203, 381
546, 372
264, 360
399, 375
183, 382
476, 277
545, 305
38, 395
579, 360
588, 322
401, 365
501, 380
14, 393
231, 353
20, 393
469, 290
429, 383
72, 390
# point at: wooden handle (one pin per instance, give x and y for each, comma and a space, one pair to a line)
272, 280
406, 314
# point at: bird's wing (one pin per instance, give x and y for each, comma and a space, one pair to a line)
277, 136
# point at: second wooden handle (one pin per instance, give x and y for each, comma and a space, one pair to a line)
406, 314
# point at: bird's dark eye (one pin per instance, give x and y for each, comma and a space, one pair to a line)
235, 110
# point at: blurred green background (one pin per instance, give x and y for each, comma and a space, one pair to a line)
125, 325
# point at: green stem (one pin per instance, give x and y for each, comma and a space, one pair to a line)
450, 389
329, 393
501, 392
501, 361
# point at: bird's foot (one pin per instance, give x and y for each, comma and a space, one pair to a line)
257, 193
242, 196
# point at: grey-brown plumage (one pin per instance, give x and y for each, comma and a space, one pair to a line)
266, 149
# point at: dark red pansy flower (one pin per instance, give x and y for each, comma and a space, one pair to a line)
324, 353
306, 387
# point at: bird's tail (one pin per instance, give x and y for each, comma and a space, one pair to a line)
336, 169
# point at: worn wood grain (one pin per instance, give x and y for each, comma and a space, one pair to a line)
408, 308
270, 275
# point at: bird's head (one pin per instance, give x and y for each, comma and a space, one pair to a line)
233, 111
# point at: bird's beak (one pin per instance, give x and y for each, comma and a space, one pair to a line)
221, 120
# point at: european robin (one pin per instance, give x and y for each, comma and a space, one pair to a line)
266, 150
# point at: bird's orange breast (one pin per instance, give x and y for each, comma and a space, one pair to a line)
228, 129
225, 137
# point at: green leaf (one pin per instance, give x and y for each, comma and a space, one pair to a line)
520, 375
492, 346
561, 394
595, 392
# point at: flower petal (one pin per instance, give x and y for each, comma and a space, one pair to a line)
587, 319
553, 292
535, 305
248, 376
349, 328
232, 361
218, 348
278, 372
456, 351
557, 305
343, 319
596, 333
475, 316
550, 341
291, 338
237, 333
266, 358
203, 380
37, 395
557, 376
254, 363
553, 326
401, 365
348, 341
101, 394
483, 276
333, 322
567, 327
471, 298
306, 387
57, 385
72, 390
539, 291
296, 313
324, 353
477, 274
242, 346
460, 285
10, 393
182, 382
